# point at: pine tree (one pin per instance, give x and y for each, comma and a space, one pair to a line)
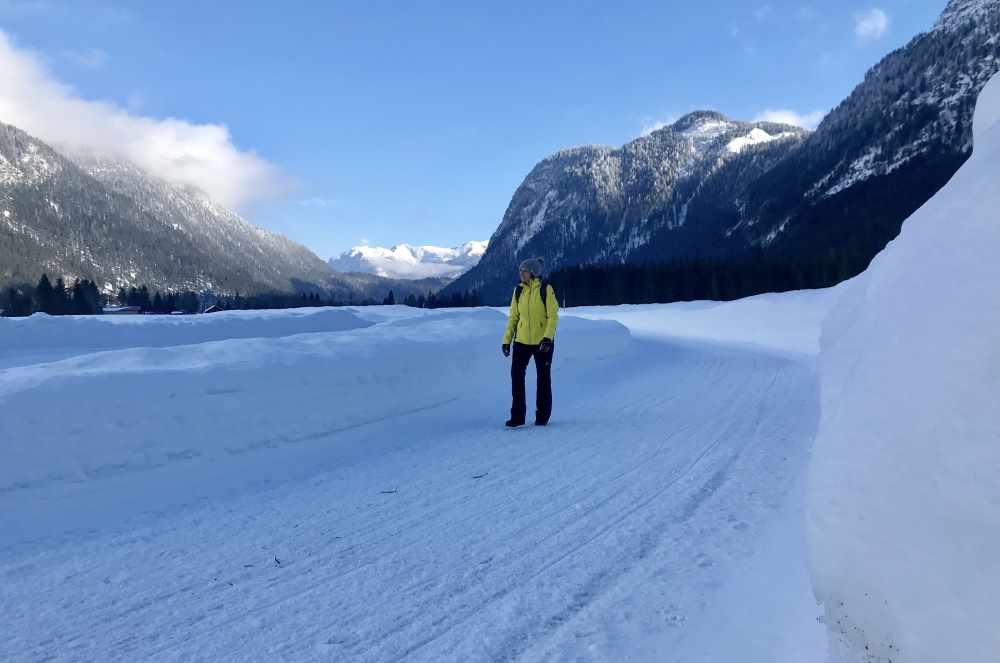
59, 297
93, 295
18, 302
43, 295
78, 300
143, 299
189, 302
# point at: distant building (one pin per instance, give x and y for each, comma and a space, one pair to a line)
122, 310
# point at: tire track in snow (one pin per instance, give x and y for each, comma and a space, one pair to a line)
556, 503
716, 475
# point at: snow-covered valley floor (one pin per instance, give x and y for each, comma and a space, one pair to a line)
657, 518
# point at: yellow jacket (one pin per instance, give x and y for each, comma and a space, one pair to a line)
532, 319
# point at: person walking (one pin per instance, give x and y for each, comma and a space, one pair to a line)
531, 328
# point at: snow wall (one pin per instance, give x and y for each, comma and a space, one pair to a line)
116, 411
40, 332
904, 504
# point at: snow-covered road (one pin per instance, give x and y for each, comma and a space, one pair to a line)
624, 531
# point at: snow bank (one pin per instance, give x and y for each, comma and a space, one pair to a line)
125, 410
987, 113
905, 483
785, 322
42, 332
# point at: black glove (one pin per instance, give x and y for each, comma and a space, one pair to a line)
505, 349
545, 346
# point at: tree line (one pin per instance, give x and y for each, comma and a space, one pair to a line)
169, 302
277, 301
84, 297
469, 298
722, 279
700, 279
81, 298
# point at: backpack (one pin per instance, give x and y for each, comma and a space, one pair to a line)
545, 294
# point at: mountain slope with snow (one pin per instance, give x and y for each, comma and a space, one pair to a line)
906, 130
405, 261
86, 216
602, 204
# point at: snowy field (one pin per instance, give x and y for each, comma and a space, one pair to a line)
186, 489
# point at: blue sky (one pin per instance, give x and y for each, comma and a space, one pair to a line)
380, 122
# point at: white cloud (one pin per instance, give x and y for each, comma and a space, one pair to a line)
202, 155
807, 120
93, 58
650, 126
655, 126
871, 25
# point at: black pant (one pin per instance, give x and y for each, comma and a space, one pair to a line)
543, 366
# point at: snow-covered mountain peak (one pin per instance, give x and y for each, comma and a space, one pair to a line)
960, 12
474, 248
703, 128
701, 122
407, 261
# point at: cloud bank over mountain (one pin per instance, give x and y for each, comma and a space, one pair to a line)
181, 152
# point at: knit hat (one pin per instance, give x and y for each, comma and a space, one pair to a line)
533, 265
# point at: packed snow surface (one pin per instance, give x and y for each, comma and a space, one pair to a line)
787, 322
352, 494
905, 498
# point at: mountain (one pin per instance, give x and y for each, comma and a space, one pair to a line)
708, 186
85, 216
603, 204
405, 261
